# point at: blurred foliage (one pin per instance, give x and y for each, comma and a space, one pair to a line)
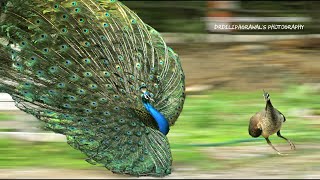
187, 16
214, 117
171, 16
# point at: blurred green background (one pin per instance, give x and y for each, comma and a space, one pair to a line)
225, 74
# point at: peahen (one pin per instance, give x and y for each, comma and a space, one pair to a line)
95, 72
267, 122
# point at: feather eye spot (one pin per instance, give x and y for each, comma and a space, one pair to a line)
120, 57
116, 108
23, 43
88, 111
105, 25
103, 100
101, 130
109, 87
81, 20
66, 116
93, 86
95, 104
87, 44
117, 138
107, 113
86, 30
18, 64
123, 91
129, 133
67, 62
106, 74
43, 36
38, 21
146, 151
51, 91
87, 74
40, 72
61, 85
118, 67
133, 21
103, 38
121, 121
64, 30
87, 61
64, 47
141, 159
56, 6
45, 50
138, 133
77, 10
81, 91
138, 66
53, 69
107, 14
72, 98
74, 3
116, 128
74, 77
27, 84
64, 16
67, 106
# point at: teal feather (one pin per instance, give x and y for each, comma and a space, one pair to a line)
80, 67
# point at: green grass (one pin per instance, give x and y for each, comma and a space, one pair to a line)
27, 154
4, 116
217, 118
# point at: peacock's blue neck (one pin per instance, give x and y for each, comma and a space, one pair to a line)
160, 119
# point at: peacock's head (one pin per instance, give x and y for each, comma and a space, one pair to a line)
146, 96
266, 96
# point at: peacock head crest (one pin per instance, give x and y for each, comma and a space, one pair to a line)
266, 95
146, 96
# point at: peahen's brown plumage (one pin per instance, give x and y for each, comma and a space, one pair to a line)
268, 122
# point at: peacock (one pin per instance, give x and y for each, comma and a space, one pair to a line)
93, 71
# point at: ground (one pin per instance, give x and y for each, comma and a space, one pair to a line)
246, 161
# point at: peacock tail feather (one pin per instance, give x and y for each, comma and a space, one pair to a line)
79, 65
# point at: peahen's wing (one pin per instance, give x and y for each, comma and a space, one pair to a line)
78, 66
283, 117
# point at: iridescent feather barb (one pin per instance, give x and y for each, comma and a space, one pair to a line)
93, 71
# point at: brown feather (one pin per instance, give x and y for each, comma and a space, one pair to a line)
254, 128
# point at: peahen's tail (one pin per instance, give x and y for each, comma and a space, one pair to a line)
79, 65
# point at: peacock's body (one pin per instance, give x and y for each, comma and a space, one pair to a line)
93, 71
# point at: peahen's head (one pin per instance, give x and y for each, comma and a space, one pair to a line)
146, 96
266, 96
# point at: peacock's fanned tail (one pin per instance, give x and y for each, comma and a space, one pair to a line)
79, 65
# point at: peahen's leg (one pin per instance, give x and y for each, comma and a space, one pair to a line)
268, 141
291, 144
